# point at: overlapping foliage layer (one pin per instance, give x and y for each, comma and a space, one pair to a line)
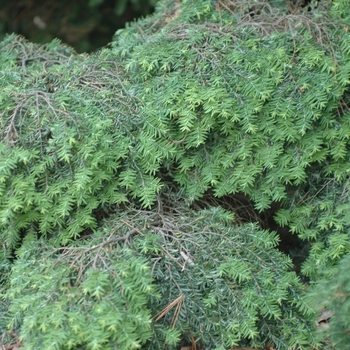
204, 95
94, 293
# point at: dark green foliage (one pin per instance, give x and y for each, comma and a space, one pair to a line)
234, 284
102, 155
5, 272
321, 216
333, 294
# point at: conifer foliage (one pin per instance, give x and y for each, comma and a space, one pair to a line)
102, 156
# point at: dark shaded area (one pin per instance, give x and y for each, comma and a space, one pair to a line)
243, 208
84, 24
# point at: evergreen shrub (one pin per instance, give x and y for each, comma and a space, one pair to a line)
102, 155
219, 283
332, 296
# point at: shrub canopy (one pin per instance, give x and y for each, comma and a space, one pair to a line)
102, 156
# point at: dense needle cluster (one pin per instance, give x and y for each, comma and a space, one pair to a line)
102, 155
